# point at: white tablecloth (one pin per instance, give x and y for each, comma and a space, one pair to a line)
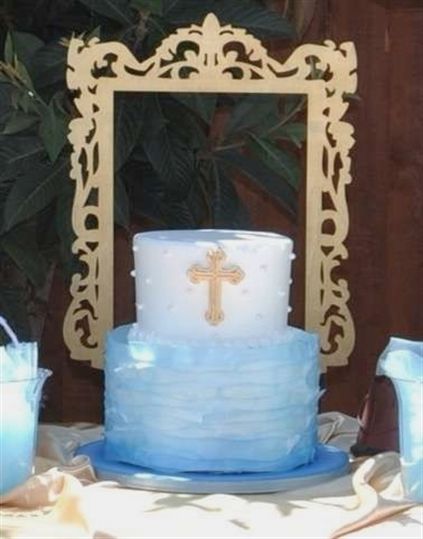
66, 501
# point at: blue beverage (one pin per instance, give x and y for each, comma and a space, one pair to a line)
19, 405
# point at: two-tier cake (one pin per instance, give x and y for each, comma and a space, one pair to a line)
210, 377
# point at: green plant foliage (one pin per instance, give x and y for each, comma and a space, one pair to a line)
13, 301
177, 156
276, 158
148, 6
117, 10
21, 245
53, 130
33, 191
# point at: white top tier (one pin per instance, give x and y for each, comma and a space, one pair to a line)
219, 284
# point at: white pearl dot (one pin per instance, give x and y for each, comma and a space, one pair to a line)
139, 307
135, 248
292, 256
290, 281
132, 273
289, 309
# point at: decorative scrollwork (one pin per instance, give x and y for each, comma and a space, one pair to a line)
211, 58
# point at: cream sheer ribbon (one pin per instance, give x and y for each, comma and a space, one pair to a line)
52, 503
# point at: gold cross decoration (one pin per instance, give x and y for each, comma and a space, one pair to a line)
215, 275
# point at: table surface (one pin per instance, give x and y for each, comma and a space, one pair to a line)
315, 511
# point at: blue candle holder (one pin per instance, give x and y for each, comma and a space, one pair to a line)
19, 405
21, 384
402, 362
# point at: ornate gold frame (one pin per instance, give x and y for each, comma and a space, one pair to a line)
214, 64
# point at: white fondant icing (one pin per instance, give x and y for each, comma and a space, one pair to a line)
263, 257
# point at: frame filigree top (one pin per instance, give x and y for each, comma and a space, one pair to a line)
218, 59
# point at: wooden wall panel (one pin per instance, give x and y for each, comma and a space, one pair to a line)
404, 226
385, 198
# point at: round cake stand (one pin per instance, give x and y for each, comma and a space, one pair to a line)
329, 463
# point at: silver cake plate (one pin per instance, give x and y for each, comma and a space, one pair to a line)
329, 463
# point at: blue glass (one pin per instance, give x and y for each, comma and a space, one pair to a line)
402, 362
19, 405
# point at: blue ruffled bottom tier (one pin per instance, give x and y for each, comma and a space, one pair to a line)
219, 408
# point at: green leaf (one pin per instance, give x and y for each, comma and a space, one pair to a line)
128, 124
96, 32
277, 159
303, 13
53, 131
150, 6
121, 202
172, 162
34, 191
184, 125
18, 122
25, 46
172, 9
258, 19
248, 14
292, 103
145, 191
13, 302
19, 154
20, 244
204, 105
198, 203
9, 50
5, 103
48, 65
4, 78
27, 102
24, 74
295, 132
228, 209
262, 176
179, 214
117, 10
65, 231
353, 97
249, 112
